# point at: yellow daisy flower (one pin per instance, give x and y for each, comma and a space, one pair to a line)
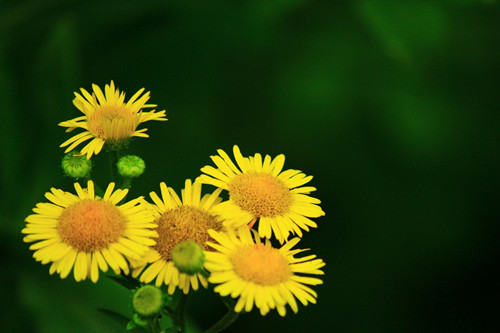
258, 189
108, 119
87, 233
257, 273
179, 221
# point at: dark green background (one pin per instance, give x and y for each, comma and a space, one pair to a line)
391, 105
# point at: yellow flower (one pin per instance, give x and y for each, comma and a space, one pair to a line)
257, 273
258, 189
108, 119
179, 221
88, 233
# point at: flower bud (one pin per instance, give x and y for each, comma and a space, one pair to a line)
75, 165
148, 301
188, 257
131, 166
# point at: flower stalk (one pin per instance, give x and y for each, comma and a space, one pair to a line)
179, 312
223, 323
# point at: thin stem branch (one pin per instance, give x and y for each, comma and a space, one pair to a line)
224, 322
113, 158
114, 155
126, 182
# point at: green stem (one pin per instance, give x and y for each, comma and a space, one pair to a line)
86, 178
154, 325
113, 159
98, 190
224, 322
126, 182
180, 311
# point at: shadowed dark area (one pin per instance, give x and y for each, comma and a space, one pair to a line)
392, 106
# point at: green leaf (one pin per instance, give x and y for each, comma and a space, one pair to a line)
123, 321
125, 281
117, 317
138, 329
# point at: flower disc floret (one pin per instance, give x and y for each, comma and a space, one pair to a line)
113, 122
260, 194
182, 224
91, 225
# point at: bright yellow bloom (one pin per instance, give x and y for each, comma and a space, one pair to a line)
86, 233
257, 273
179, 221
108, 119
258, 189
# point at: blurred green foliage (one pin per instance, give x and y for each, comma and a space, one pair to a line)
391, 105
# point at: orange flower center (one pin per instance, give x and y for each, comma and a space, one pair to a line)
181, 224
261, 194
91, 225
113, 123
261, 263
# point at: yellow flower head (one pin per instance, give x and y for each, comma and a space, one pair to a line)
86, 233
179, 221
258, 189
108, 119
257, 273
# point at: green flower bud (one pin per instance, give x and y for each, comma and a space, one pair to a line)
76, 166
131, 166
188, 257
148, 301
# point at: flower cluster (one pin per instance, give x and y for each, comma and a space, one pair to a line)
178, 242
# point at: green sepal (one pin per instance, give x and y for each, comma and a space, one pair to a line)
173, 329
76, 166
131, 325
205, 273
117, 145
135, 328
139, 321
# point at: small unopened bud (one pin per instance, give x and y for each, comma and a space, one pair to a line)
76, 166
148, 301
188, 257
131, 166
